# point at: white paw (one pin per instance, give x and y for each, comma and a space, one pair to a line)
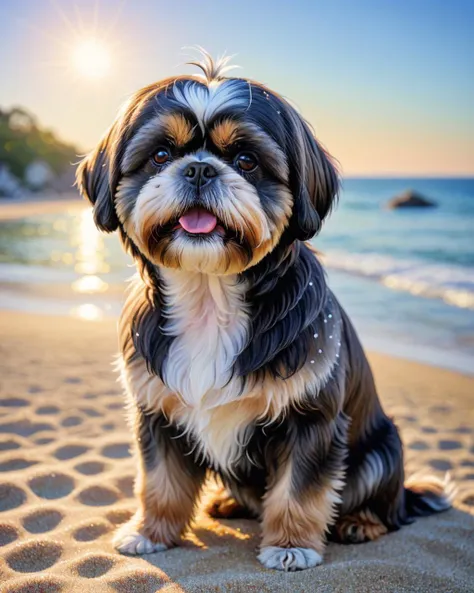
289, 558
131, 542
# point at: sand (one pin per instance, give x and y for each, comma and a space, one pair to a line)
66, 479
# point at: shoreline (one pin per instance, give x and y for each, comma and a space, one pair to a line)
15, 208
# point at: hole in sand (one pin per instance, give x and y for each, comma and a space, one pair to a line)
16, 464
9, 445
138, 581
449, 445
118, 516
429, 429
418, 446
11, 497
14, 402
73, 380
52, 485
44, 584
98, 496
94, 566
44, 440
90, 468
89, 533
45, 410
8, 534
91, 412
35, 389
116, 451
24, 428
72, 421
34, 556
463, 430
112, 392
70, 451
42, 520
115, 406
441, 464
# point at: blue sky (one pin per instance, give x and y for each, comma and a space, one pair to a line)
388, 86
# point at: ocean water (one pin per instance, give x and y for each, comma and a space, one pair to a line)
406, 277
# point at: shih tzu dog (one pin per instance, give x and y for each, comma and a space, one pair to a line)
237, 359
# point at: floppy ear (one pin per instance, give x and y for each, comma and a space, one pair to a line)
94, 179
313, 179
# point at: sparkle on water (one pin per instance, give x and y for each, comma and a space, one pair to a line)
87, 311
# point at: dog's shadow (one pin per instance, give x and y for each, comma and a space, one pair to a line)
223, 553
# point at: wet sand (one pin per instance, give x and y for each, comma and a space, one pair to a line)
66, 480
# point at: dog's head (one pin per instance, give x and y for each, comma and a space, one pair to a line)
208, 173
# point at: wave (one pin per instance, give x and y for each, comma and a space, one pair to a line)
453, 284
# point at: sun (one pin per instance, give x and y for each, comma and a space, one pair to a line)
91, 58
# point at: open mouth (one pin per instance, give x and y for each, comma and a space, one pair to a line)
199, 221
201, 227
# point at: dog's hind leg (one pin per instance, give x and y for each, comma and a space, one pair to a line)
359, 527
373, 497
221, 504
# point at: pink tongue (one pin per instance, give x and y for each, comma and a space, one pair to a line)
198, 220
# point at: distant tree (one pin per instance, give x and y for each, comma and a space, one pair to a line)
23, 140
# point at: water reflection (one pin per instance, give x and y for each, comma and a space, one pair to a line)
87, 311
89, 285
90, 256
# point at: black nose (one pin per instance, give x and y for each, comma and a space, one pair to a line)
199, 174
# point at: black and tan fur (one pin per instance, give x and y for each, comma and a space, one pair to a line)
237, 359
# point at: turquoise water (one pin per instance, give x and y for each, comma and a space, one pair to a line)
406, 277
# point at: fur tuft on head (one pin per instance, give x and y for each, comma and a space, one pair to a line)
213, 70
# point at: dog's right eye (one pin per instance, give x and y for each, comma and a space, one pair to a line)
161, 157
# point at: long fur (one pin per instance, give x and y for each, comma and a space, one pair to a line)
235, 356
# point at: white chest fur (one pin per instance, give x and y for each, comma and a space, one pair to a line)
208, 318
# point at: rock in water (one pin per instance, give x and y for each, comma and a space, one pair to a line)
410, 199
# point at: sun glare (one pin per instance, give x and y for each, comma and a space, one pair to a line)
92, 58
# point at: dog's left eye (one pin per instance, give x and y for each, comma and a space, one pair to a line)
161, 157
246, 161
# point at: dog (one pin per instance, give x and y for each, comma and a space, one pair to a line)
237, 360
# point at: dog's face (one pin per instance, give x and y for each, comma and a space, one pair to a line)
208, 174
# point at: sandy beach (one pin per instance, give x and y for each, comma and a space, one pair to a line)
66, 480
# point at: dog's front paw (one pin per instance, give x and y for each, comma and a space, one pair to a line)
289, 559
128, 540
